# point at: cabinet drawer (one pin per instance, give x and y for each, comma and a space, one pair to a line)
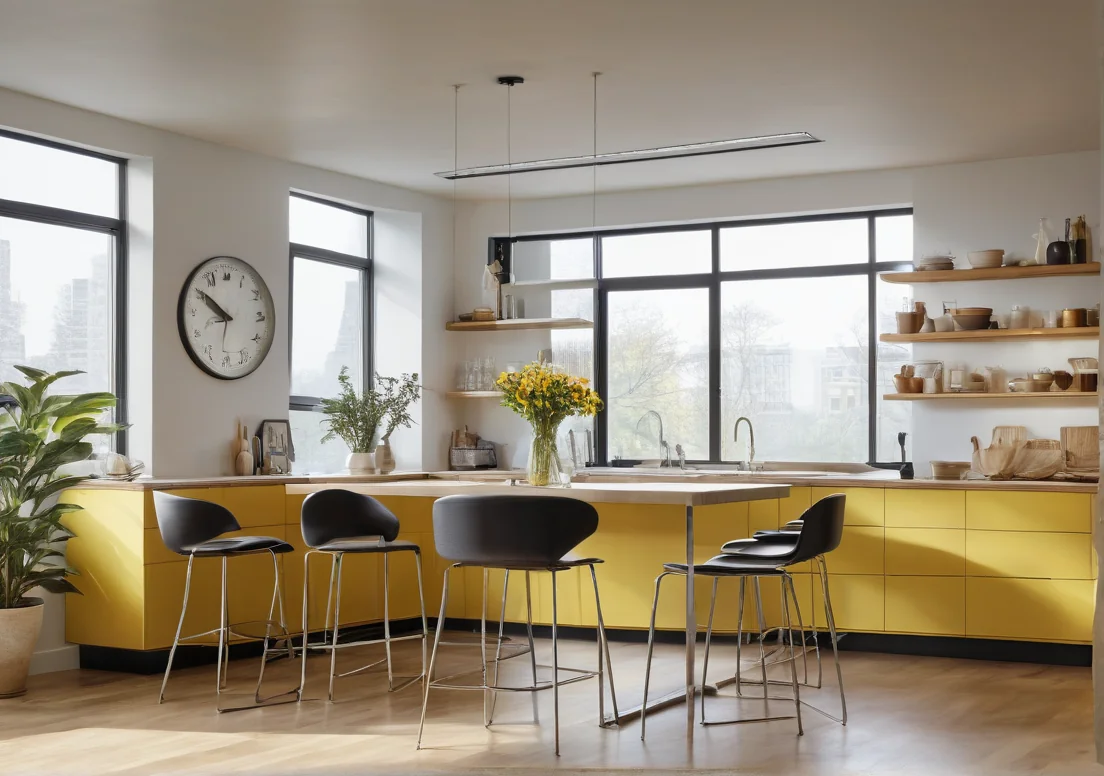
925, 552
925, 508
1029, 511
861, 551
1030, 609
865, 506
858, 601
1028, 555
930, 605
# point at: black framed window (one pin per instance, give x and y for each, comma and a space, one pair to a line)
330, 321
63, 266
773, 319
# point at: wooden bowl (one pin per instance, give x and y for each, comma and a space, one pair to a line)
972, 322
904, 384
974, 311
949, 470
916, 384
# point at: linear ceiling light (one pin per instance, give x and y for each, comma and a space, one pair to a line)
645, 155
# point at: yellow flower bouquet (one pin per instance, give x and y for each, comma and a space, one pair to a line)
545, 397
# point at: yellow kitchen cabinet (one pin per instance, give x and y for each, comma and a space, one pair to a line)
861, 551
915, 508
925, 552
925, 605
1030, 609
865, 506
794, 506
763, 516
989, 510
1028, 555
858, 601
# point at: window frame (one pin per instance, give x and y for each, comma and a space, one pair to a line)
712, 281
115, 228
298, 402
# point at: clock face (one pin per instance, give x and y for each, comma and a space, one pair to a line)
226, 317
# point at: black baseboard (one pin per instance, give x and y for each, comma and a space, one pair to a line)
154, 661
137, 661
973, 649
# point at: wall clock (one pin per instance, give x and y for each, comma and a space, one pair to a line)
226, 317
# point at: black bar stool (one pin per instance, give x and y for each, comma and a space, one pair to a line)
192, 528
339, 522
821, 531
517, 533
777, 547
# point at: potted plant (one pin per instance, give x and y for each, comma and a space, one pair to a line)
545, 397
356, 419
39, 434
399, 393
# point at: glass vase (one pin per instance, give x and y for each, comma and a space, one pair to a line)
544, 459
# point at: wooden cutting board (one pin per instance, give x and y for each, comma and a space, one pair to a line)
1081, 446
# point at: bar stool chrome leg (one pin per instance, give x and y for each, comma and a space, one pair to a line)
788, 580
179, 627
555, 664
433, 655
338, 562
603, 648
387, 621
648, 662
831, 618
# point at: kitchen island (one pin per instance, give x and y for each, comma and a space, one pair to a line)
999, 569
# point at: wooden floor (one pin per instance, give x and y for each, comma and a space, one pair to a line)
908, 716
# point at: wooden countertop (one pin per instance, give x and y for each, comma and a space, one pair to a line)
643, 491
879, 479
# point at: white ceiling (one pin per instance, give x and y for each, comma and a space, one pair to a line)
364, 86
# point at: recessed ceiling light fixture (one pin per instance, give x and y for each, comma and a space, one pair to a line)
625, 157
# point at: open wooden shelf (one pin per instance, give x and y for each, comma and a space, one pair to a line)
992, 335
1011, 397
519, 324
997, 273
474, 395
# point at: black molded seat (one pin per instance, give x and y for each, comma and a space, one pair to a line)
820, 533
239, 545
523, 532
727, 566
190, 526
336, 520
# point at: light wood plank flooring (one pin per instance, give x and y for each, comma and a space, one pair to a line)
908, 716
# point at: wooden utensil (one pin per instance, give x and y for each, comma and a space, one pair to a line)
1081, 447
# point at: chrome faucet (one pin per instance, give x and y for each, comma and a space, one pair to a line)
664, 448
751, 438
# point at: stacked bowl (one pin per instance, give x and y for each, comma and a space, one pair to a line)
934, 263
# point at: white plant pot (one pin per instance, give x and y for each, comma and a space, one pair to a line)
19, 629
361, 463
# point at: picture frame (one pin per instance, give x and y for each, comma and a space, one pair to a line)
277, 452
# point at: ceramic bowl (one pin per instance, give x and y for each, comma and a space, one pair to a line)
972, 322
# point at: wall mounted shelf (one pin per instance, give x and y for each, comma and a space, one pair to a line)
998, 273
994, 335
1063, 396
473, 395
553, 285
519, 324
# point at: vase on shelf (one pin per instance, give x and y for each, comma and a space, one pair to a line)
385, 459
361, 463
543, 469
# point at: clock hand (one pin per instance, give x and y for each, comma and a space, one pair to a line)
215, 306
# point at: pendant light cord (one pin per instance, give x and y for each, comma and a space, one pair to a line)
509, 160
594, 152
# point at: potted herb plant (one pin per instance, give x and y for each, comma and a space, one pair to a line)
356, 419
39, 434
399, 393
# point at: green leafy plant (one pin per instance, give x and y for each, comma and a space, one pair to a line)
39, 434
356, 419
399, 393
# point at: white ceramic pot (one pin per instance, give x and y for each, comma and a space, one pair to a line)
19, 630
361, 463
385, 459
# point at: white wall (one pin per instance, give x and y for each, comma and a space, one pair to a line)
189, 200
962, 207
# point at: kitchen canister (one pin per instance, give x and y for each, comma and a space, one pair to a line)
1073, 317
